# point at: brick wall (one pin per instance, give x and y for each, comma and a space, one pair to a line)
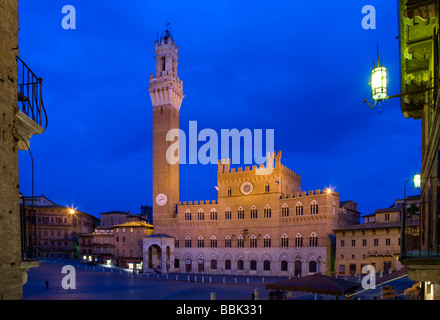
11, 278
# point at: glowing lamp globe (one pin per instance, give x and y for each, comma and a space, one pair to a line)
379, 83
417, 181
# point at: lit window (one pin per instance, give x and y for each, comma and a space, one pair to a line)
299, 209
253, 213
314, 207
285, 210
284, 241
267, 241
313, 240
267, 212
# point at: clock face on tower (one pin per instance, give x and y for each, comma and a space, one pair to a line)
161, 199
246, 188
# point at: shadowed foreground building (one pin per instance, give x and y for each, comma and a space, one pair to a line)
262, 222
22, 115
420, 79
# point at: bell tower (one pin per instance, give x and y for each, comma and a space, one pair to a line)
166, 95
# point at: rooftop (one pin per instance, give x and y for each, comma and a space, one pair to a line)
132, 224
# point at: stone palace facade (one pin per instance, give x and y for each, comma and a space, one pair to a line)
262, 222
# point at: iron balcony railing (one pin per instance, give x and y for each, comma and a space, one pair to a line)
30, 95
420, 232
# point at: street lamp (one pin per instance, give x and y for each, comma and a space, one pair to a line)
379, 82
417, 182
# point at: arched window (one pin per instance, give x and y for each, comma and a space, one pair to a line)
312, 266
284, 241
227, 264
285, 210
266, 265
162, 60
240, 265
299, 209
284, 265
313, 240
176, 263
213, 242
213, 264
253, 265
228, 214
200, 215
228, 242
187, 242
200, 242
176, 242
240, 213
266, 187
267, 212
334, 207
267, 241
298, 240
253, 212
314, 207
187, 215
213, 214
229, 191
240, 241
253, 241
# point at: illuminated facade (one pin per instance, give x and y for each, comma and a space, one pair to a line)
420, 79
262, 222
58, 228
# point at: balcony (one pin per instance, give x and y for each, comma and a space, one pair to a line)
31, 114
420, 246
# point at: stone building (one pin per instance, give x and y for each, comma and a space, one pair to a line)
420, 79
117, 241
128, 243
376, 241
262, 222
22, 115
97, 247
112, 218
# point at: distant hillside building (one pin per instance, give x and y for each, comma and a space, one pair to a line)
147, 213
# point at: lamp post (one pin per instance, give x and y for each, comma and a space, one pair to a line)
71, 210
417, 181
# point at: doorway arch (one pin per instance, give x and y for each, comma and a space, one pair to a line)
154, 257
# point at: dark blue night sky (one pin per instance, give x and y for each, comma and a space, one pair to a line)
301, 68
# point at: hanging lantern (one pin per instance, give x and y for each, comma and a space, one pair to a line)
379, 82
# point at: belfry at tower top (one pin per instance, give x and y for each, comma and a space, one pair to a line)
165, 35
